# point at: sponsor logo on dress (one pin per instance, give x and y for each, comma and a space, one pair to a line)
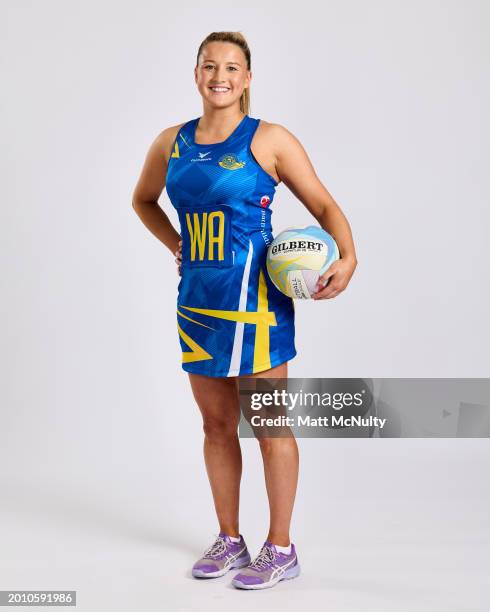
264, 200
203, 157
230, 162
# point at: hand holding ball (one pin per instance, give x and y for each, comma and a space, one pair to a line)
298, 257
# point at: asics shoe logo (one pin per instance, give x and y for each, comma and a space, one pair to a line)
230, 557
279, 570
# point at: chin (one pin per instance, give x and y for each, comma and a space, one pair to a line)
220, 103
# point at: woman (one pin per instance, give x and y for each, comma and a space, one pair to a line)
221, 171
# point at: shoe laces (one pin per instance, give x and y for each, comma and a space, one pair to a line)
216, 549
265, 556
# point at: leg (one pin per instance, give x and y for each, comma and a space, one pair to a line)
217, 399
281, 466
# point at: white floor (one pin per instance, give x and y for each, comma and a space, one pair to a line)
364, 542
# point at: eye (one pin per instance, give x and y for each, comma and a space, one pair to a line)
233, 68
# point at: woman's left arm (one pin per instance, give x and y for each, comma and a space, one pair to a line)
295, 169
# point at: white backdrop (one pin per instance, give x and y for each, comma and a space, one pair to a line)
103, 483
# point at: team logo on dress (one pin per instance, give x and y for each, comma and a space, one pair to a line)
230, 162
264, 200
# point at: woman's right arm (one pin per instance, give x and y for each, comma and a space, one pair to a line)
149, 187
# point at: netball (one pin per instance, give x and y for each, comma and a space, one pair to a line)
298, 257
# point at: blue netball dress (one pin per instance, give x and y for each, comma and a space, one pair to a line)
231, 318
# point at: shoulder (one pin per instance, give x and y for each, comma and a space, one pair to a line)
276, 135
271, 128
164, 141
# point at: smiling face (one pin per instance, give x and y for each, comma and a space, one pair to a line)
221, 74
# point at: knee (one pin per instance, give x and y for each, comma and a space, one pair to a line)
266, 444
282, 445
220, 427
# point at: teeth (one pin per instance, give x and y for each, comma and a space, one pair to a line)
219, 88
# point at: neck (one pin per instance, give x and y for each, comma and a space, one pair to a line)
216, 122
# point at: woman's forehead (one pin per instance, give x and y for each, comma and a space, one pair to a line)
222, 51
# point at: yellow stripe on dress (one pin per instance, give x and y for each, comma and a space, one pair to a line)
262, 355
197, 353
193, 320
258, 318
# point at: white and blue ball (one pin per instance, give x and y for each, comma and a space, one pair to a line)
297, 257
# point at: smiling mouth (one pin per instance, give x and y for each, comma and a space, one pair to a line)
220, 90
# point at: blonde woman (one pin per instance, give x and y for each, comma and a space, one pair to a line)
221, 171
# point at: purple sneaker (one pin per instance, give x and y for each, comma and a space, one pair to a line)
221, 557
268, 568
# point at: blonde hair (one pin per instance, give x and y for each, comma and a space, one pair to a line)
236, 38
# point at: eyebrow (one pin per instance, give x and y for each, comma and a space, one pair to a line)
210, 60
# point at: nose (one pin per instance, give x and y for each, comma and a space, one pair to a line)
221, 74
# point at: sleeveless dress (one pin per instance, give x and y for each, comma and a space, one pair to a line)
231, 319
